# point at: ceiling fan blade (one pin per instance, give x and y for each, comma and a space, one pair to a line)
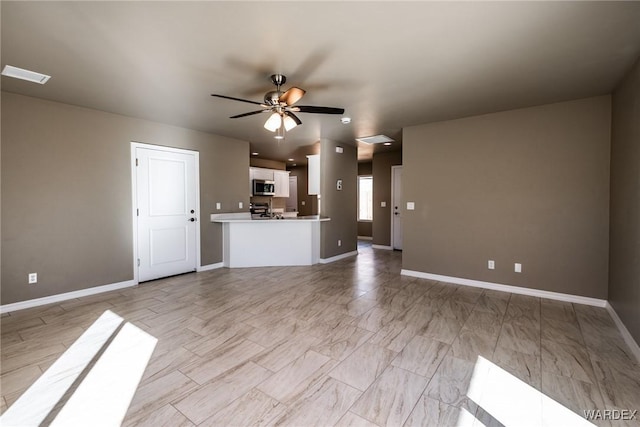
236, 99
292, 96
248, 114
319, 110
294, 117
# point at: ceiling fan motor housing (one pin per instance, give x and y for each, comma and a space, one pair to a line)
272, 97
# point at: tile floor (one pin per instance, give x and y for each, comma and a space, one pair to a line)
349, 343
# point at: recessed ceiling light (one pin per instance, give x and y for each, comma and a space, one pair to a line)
290, 160
387, 143
375, 139
20, 73
345, 120
254, 154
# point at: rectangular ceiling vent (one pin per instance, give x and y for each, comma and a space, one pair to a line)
375, 139
19, 73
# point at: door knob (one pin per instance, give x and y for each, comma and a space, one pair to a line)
192, 219
192, 211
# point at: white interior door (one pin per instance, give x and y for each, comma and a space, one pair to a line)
396, 216
167, 212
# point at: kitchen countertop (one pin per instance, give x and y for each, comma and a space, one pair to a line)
246, 217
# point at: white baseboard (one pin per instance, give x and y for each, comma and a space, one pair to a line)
508, 288
633, 345
387, 248
365, 238
66, 296
337, 257
209, 267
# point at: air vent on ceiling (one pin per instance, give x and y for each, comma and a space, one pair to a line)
375, 139
20, 73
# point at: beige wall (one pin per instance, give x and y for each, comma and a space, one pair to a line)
382, 163
66, 193
624, 259
266, 163
365, 168
340, 206
528, 185
365, 229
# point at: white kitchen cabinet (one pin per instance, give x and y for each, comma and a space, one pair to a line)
282, 183
313, 177
261, 173
280, 177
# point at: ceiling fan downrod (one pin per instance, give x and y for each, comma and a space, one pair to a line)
278, 80
273, 97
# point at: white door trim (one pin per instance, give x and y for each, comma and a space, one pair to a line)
134, 198
393, 178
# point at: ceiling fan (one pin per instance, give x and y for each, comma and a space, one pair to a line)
281, 106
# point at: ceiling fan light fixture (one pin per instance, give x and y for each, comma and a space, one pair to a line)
273, 123
289, 123
279, 133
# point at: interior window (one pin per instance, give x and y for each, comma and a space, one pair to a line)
365, 198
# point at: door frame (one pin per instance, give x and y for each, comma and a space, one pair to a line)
393, 179
134, 198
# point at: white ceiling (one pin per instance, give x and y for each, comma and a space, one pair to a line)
389, 64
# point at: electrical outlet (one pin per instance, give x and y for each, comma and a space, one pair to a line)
491, 265
517, 267
339, 242
33, 278
218, 206
240, 205
303, 203
383, 204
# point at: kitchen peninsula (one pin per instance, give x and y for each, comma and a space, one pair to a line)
251, 242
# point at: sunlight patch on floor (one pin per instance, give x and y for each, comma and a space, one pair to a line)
512, 402
102, 392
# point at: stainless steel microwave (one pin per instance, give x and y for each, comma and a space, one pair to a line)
263, 187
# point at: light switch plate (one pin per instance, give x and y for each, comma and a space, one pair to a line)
411, 206
383, 204
240, 205
218, 206
517, 267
